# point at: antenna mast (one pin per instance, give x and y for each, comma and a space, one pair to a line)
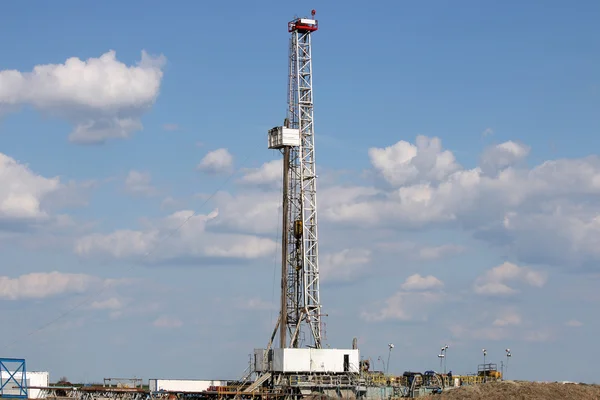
300, 300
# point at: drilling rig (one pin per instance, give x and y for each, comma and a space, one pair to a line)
300, 302
299, 367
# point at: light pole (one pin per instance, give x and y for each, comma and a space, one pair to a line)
508, 355
484, 354
441, 357
484, 369
445, 353
391, 346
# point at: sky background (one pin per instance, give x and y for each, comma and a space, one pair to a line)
459, 183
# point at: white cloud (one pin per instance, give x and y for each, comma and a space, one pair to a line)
405, 163
412, 302
347, 204
216, 162
256, 212
495, 281
41, 285
139, 183
23, 192
566, 234
169, 202
418, 282
182, 236
70, 194
103, 97
259, 211
543, 214
345, 265
402, 306
507, 154
167, 322
268, 174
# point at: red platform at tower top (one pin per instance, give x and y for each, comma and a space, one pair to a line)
304, 24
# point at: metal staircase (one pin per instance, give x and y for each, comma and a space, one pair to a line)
258, 382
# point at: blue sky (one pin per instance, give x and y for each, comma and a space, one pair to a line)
459, 183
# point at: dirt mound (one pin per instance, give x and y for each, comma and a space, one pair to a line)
522, 391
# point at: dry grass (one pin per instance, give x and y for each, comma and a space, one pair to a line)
522, 391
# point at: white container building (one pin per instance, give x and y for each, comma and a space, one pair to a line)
182, 385
289, 360
33, 378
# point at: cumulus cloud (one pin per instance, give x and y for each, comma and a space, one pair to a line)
169, 202
412, 302
402, 306
23, 194
103, 97
181, 236
139, 183
216, 162
347, 204
404, 163
256, 212
418, 282
345, 265
558, 234
495, 281
504, 155
268, 174
532, 211
40, 285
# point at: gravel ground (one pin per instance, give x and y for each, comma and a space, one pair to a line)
522, 391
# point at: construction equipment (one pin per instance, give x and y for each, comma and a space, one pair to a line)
489, 372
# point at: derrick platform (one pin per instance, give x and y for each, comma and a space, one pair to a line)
366, 386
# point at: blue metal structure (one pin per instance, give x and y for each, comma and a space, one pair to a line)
13, 378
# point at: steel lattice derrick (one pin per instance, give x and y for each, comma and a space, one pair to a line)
303, 300
300, 300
